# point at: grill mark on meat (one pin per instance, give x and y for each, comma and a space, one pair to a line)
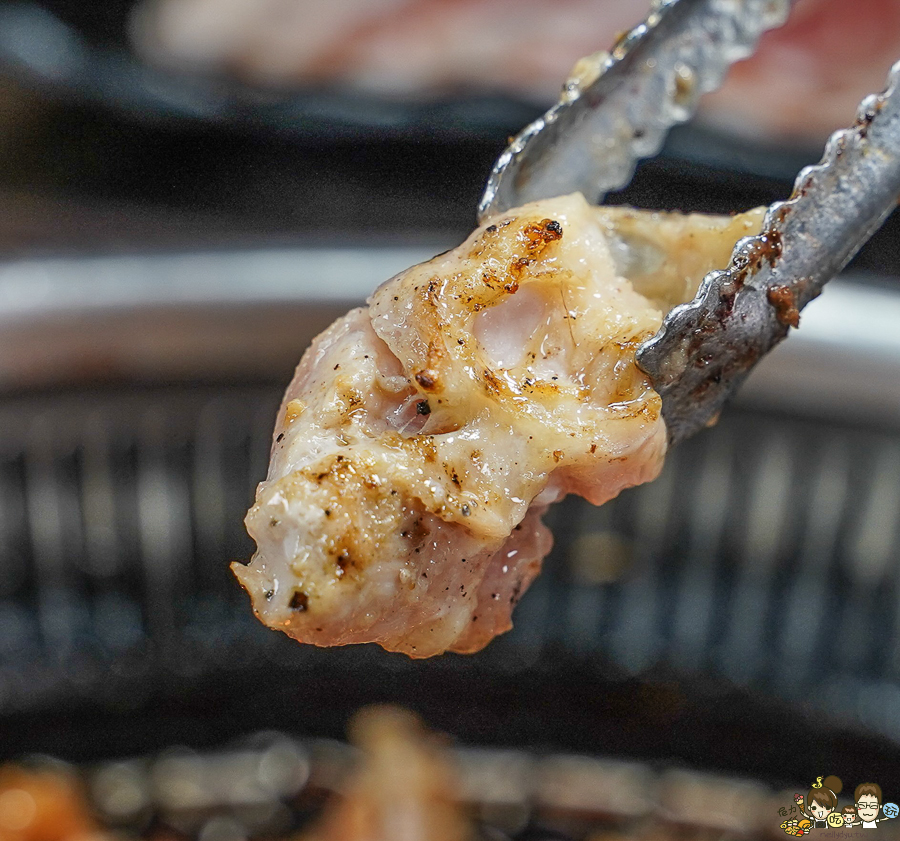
299, 601
429, 379
440, 422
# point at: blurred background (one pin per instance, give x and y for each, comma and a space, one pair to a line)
190, 190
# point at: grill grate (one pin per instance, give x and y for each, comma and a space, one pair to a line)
763, 554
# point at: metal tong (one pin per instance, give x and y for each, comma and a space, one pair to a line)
620, 110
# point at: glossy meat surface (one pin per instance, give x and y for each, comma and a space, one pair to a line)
422, 437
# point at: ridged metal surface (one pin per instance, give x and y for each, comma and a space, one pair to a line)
764, 554
120, 514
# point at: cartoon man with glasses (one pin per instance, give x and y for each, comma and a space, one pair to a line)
822, 810
869, 805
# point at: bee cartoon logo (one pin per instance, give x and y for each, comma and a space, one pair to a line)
819, 809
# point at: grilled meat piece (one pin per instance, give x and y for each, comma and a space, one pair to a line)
423, 437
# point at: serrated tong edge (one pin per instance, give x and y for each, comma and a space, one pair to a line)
590, 141
705, 348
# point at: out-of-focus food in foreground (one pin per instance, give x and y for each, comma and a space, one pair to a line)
404, 788
43, 805
403, 783
423, 437
804, 81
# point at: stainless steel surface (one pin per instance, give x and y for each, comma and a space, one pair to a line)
591, 140
706, 348
243, 313
250, 314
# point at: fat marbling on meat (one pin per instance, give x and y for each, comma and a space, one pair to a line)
422, 437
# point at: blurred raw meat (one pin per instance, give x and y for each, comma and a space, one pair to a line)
804, 82
387, 46
807, 78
